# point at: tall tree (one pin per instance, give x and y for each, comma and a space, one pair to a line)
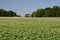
47, 12
7, 13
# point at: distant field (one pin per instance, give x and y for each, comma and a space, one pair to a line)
21, 28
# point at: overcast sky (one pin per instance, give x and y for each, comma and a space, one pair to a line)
22, 7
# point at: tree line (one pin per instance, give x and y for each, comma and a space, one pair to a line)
4, 13
47, 12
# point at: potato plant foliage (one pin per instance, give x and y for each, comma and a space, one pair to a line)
29, 28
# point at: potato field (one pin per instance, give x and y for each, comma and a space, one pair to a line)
30, 28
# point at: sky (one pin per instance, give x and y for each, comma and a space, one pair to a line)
22, 7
